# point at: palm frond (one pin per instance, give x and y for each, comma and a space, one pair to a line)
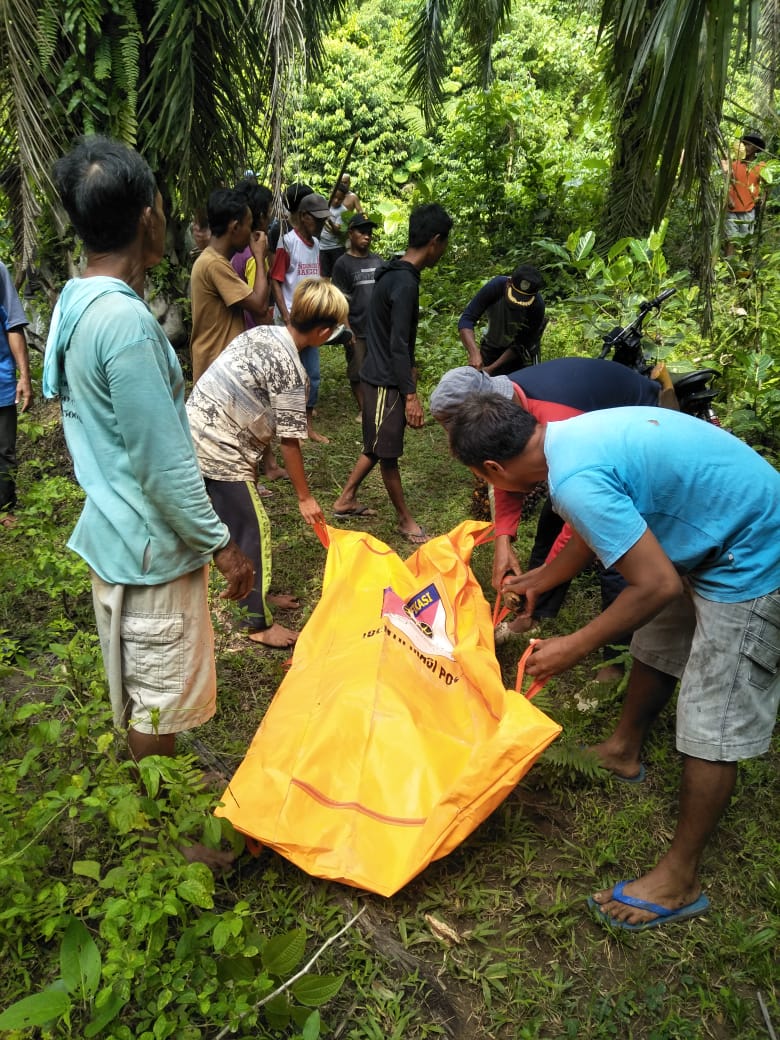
425, 58
480, 22
33, 134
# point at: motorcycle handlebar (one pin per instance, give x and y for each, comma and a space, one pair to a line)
659, 299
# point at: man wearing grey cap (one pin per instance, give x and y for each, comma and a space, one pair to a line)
298, 256
515, 315
551, 391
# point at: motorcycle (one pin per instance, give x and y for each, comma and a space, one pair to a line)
694, 390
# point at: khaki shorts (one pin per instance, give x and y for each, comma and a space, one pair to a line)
158, 652
727, 656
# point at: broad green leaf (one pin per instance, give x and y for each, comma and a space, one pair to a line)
87, 868
584, 245
311, 1029
222, 934
36, 1010
104, 742
80, 961
25, 711
105, 1012
277, 1012
193, 890
619, 246
241, 969
313, 990
282, 954
656, 237
639, 251
552, 247
596, 267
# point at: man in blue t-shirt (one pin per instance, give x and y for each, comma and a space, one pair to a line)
13, 391
690, 516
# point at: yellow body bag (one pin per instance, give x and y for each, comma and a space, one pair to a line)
392, 736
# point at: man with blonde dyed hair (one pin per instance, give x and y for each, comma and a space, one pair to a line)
256, 389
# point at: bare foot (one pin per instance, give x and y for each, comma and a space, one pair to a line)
215, 859
519, 625
658, 886
610, 673
625, 764
415, 534
8, 521
318, 438
275, 473
283, 601
277, 637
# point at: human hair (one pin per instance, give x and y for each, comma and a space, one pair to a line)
293, 194
224, 206
317, 302
258, 198
104, 186
488, 426
341, 189
426, 222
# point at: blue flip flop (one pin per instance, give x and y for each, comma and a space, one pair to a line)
665, 915
640, 777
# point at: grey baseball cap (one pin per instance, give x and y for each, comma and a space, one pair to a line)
459, 384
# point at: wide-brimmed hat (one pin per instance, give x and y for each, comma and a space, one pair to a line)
457, 385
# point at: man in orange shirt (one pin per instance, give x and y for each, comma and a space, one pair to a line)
744, 191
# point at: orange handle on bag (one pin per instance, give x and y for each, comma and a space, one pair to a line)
537, 685
499, 611
321, 530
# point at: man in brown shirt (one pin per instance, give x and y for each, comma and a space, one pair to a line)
219, 295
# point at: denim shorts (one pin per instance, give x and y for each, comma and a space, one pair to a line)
727, 657
158, 652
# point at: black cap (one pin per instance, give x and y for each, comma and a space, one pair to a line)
360, 221
755, 139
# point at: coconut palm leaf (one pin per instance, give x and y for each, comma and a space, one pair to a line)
33, 131
425, 58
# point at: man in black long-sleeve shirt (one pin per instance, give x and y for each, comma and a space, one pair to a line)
389, 375
515, 322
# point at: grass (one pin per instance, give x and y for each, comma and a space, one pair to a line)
523, 958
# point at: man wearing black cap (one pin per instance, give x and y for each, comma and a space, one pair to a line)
515, 316
744, 190
353, 273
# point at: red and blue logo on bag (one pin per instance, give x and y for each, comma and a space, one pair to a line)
422, 619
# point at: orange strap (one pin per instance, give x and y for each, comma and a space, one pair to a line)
321, 530
537, 685
499, 611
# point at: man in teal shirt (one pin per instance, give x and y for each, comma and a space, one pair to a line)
690, 517
147, 530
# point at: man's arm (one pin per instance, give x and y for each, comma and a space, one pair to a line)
232, 288
18, 347
489, 294
468, 340
257, 301
293, 463
652, 583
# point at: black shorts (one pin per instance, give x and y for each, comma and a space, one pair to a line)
384, 421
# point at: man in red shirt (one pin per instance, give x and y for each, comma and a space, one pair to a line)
744, 191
